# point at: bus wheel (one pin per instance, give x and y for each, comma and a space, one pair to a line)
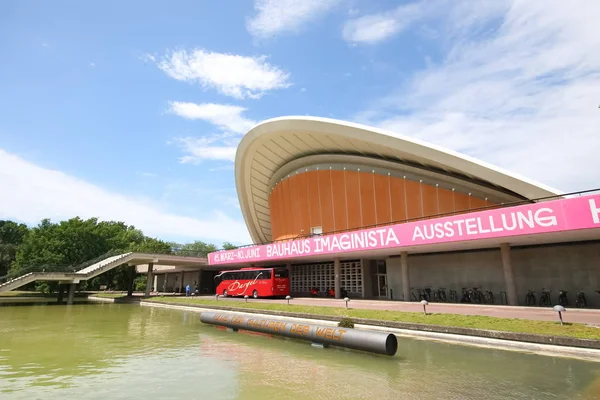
225, 292
255, 294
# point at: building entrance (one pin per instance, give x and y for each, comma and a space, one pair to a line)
380, 285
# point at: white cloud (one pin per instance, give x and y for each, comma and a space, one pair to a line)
92, 64
275, 16
524, 96
216, 148
30, 193
374, 28
232, 75
225, 116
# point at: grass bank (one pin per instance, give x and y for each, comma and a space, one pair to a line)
115, 295
547, 328
22, 293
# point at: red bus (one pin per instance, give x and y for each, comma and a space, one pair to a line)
255, 282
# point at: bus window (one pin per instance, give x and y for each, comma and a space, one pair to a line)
281, 273
265, 274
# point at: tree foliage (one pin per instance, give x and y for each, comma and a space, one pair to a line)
229, 246
11, 236
75, 243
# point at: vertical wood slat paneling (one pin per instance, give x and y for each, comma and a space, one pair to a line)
294, 207
353, 198
326, 203
286, 206
413, 199
313, 199
429, 200
367, 198
304, 205
382, 199
397, 197
298, 202
339, 200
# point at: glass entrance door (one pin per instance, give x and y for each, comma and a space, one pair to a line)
382, 285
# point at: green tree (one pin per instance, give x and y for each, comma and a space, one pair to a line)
11, 236
76, 242
229, 246
197, 249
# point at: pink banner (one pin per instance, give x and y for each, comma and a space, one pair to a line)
552, 216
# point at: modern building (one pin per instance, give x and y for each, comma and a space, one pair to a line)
383, 215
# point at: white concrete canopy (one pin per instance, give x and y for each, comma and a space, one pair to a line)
276, 145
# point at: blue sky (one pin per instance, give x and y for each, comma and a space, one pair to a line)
132, 110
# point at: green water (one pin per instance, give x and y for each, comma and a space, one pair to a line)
110, 351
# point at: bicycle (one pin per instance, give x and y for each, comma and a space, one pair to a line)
427, 292
562, 298
441, 294
580, 302
476, 296
530, 298
453, 296
489, 297
465, 296
413, 296
545, 299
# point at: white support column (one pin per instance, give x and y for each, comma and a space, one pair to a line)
164, 288
149, 278
509, 279
337, 270
405, 277
71, 293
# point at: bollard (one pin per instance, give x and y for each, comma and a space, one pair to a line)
246, 298
424, 302
560, 309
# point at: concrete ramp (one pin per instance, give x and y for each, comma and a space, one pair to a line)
102, 266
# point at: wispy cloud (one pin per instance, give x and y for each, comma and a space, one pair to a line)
374, 28
233, 75
461, 16
524, 95
37, 193
225, 116
215, 147
276, 16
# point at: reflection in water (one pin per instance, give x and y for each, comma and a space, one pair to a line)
127, 351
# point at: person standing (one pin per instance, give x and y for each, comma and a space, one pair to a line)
187, 290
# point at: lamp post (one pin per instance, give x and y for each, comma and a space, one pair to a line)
424, 303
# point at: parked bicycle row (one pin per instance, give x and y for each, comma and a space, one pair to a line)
468, 295
546, 298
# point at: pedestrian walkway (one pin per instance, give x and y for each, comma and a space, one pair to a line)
584, 316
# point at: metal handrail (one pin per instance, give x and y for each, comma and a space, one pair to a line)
407, 220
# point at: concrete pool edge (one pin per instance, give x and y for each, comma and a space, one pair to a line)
587, 354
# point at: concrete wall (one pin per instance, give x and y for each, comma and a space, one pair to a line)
571, 267
174, 281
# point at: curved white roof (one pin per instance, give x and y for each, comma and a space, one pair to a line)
277, 146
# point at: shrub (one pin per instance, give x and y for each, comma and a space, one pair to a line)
346, 323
